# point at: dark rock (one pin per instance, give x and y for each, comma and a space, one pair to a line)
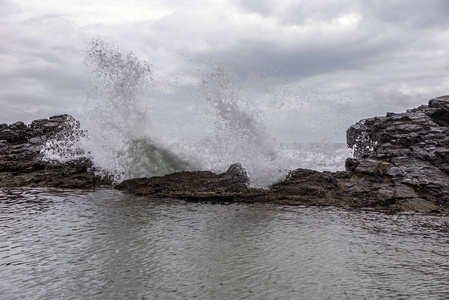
308, 183
415, 204
200, 186
235, 179
372, 167
22, 164
351, 164
416, 146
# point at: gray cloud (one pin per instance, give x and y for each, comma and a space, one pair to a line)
414, 14
302, 12
301, 61
372, 41
263, 7
7, 8
40, 73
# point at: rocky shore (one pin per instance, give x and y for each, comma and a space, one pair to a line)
23, 164
401, 163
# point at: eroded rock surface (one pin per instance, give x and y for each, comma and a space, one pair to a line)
22, 163
416, 145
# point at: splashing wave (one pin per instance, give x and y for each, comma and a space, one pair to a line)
124, 141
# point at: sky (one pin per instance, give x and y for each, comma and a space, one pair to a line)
309, 68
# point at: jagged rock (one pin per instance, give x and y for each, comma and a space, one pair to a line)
416, 145
307, 183
22, 164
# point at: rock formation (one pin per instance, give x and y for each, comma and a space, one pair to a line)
411, 151
401, 163
22, 163
204, 186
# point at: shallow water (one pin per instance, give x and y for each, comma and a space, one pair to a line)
104, 244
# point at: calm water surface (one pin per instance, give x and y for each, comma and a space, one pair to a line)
104, 244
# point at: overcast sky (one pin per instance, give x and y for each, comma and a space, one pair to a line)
326, 64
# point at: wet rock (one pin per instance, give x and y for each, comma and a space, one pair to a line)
371, 167
415, 144
307, 183
416, 205
351, 164
198, 186
22, 164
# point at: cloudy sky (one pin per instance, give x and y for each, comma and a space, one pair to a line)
323, 64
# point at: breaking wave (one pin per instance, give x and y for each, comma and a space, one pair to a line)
124, 137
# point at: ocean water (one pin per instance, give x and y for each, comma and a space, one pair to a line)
105, 244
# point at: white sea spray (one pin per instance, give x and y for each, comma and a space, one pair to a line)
125, 140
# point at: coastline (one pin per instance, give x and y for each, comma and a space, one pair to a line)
400, 164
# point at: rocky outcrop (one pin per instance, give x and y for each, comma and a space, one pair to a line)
400, 164
23, 164
198, 186
368, 186
415, 145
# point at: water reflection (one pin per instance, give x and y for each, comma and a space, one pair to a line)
103, 244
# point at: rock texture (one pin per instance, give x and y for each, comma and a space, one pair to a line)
414, 149
21, 160
198, 186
